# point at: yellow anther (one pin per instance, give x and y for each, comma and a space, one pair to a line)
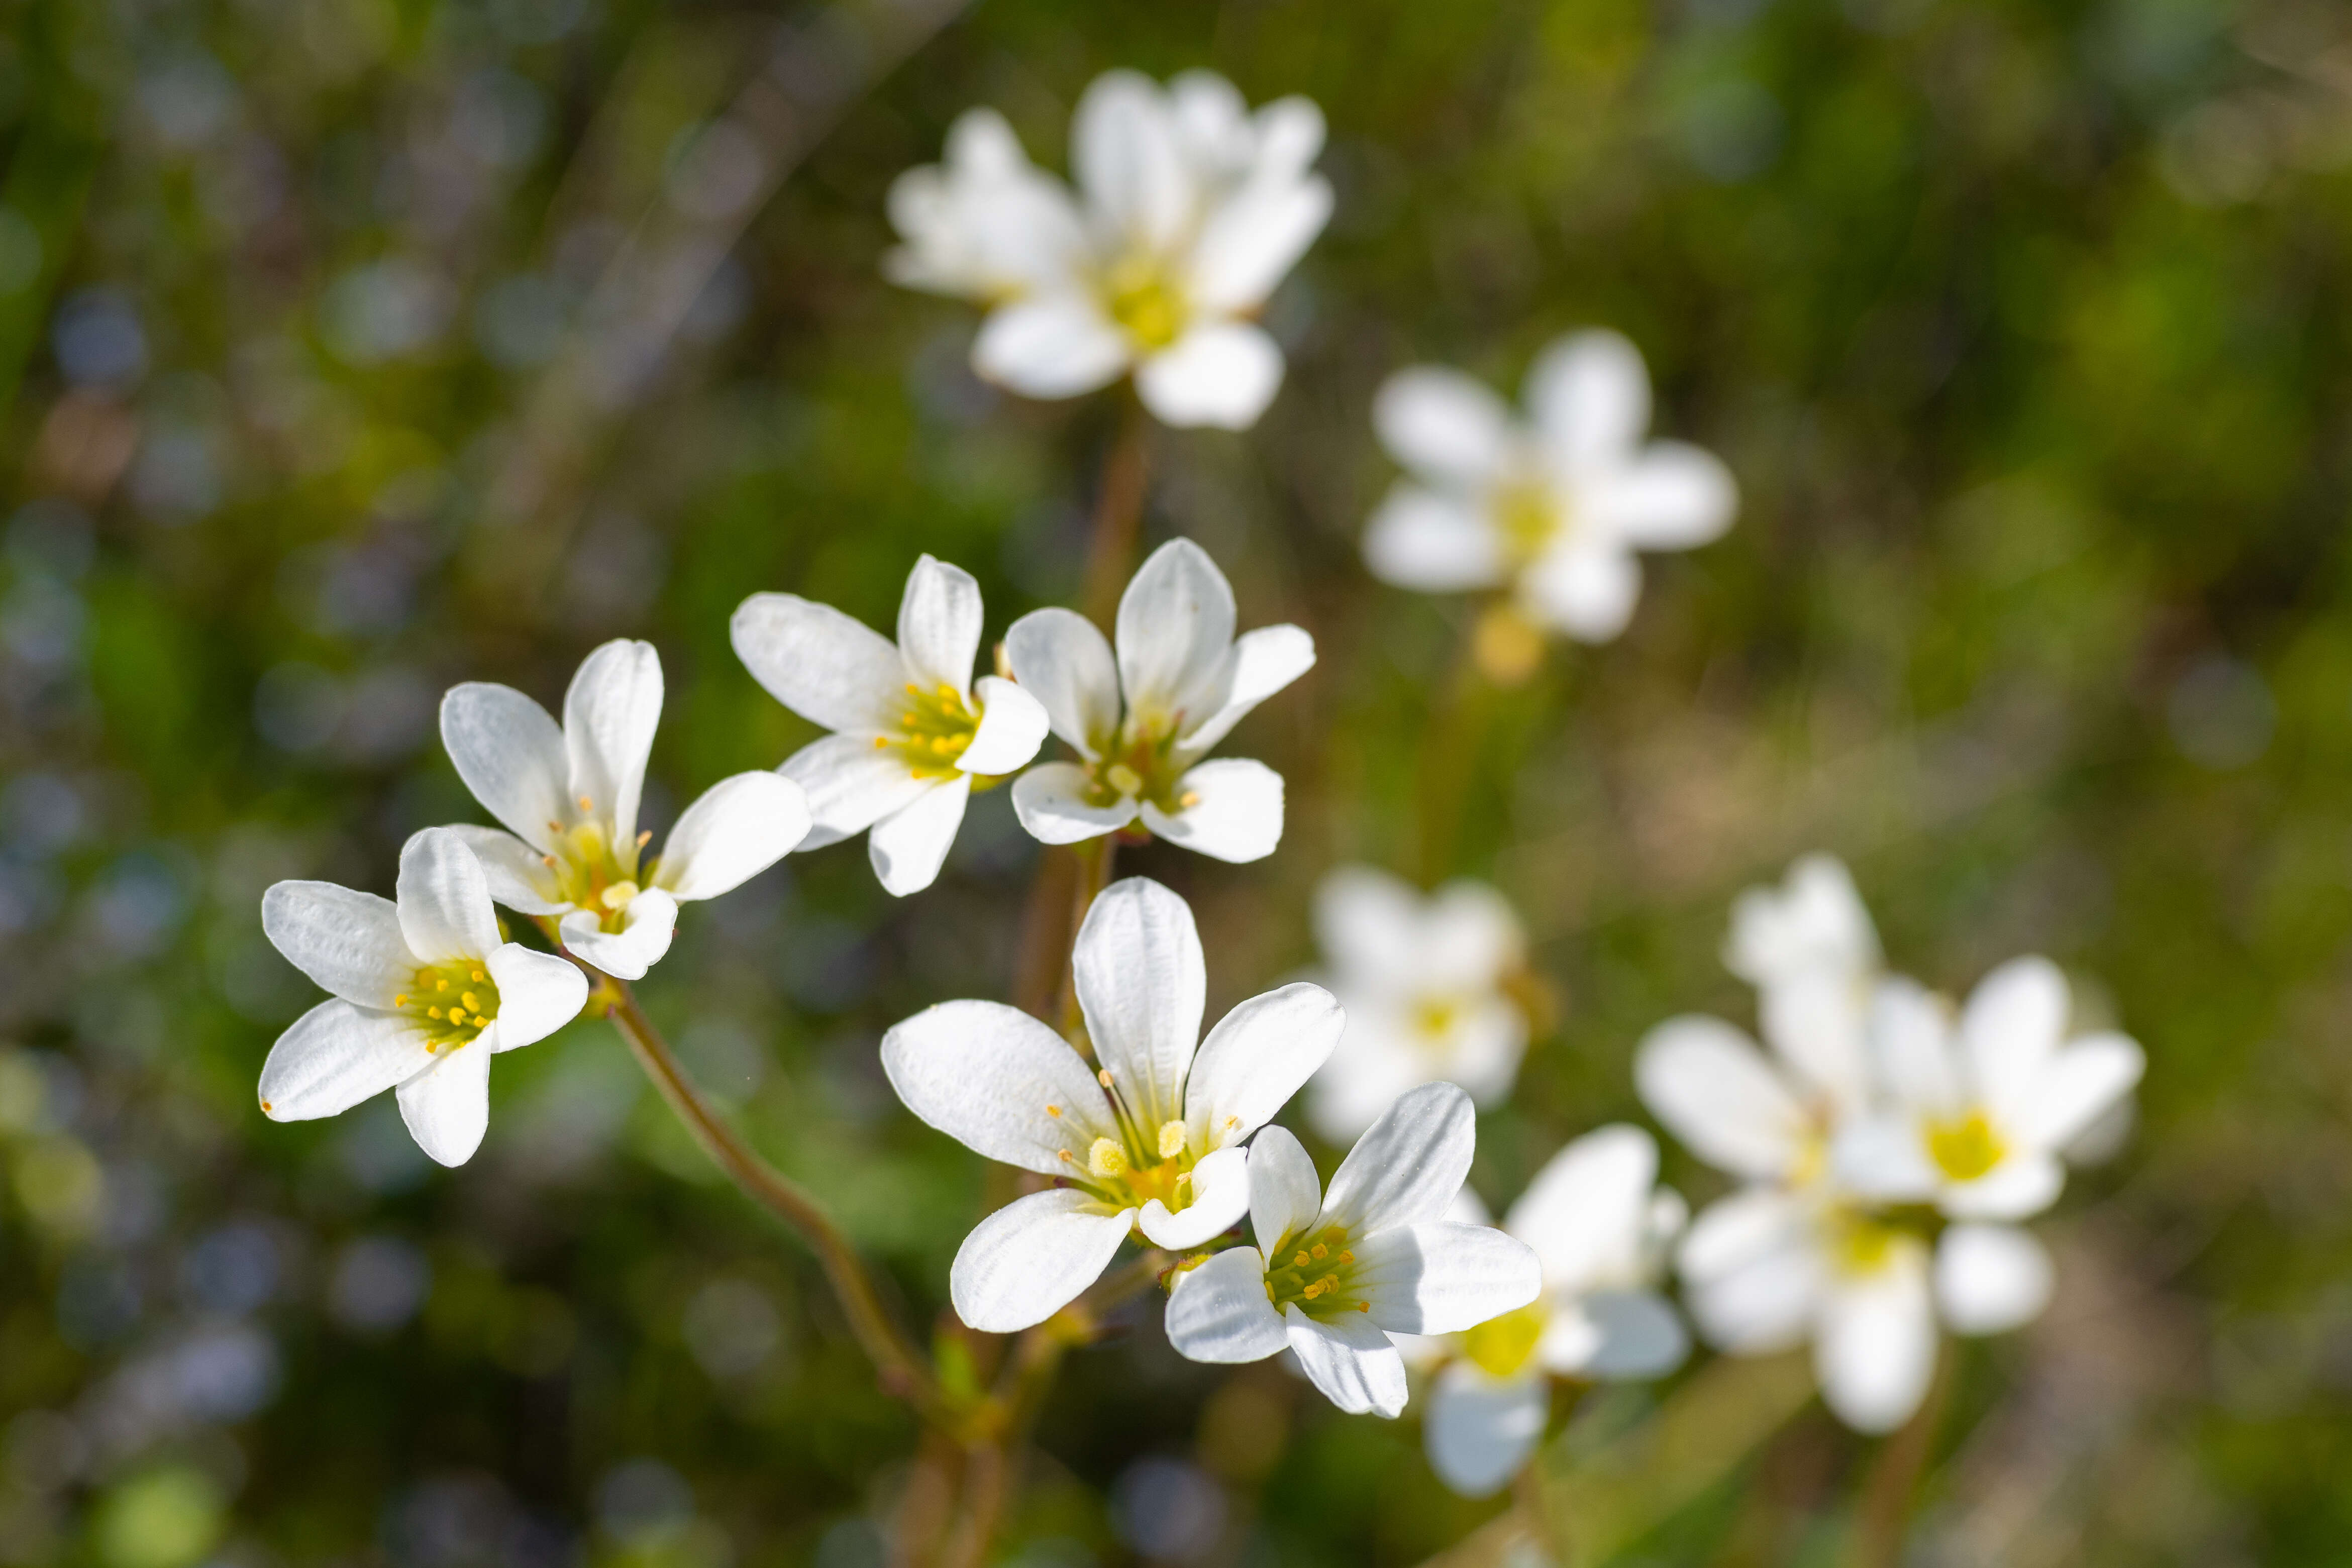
1363, 1306
432, 1012
1054, 1111
477, 974
947, 693
617, 896
1320, 1251
1103, 1077
586, 804
1347, 1257
1066, 1157
645, 838
881, 741
457, 1014
1232, 1122
400, 1001
1300, 1260
1124, 780
1106, 1158
908, 720
1322, 1287
442, 984
913, 690
264, 1105
548, 860
471, 1004
1189, 798
1171, 1139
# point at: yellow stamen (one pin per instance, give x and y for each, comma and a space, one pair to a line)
1054, 1111
432, 1012
1106, 1158
1172, 1140
1300, 1260
477, 974
617, 896
400, 1001
586, 804
1320, 1251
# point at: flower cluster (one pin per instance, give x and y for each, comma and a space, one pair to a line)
1889, 1143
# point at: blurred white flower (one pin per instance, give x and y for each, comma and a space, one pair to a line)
1191, 209
1975, 1115
427, 992
570, 793
1554, 508
1151, 1142
1867, 1113
1142, 722
1599, 1226
1332, 1276
1422, 979
913, 731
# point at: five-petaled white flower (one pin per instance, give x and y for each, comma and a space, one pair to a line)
1601, 1226
1153, 1140
569, 796
1195, 209
1555, 507
1424, 982
1141, 722
1333, 1274
913, 733
426, 991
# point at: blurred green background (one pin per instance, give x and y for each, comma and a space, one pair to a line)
353, 348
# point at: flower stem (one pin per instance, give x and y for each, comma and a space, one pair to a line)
1118, 513
1096, 858
1451, 739
900, 1367
1884, 1511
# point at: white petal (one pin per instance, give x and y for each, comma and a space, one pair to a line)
1210, 120
2021, 1186
511, 754
1713, 1090
1262, 663
1884, 1157
350, 943
1220, 374
908, 846
448, 1105
1218, 1312
1587, 588
1220, 1193
1590, 393
1990, 1279
2087, 1078
609, 718
1050, 346
1289, 135
1814, 920
1051, 802
1637, 1335
539, 993
1175, 631
1408, 1168
1032, 1258
831, 669
1818, 1021
938, 625
985, 1075
734, 830
1876, 1348
1376, 1061
851, 783
1284, 1193
1128, 163
1587, 1212
1061, 659
1254, 238
1142, 984
1671, 496
1480, 1430
1352, 1362
1255, 1059
1912, 1045
1432, 543
2013, 1024
646, 927
1444, 425
1013, 726
1367, 923
1438, 1277
1470, 938
443, 899
336, 1055
1754, 1269
518, 875
1233, 811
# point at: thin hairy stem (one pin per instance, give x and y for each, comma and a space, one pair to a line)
900, 1366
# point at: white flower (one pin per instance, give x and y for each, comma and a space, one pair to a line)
913, 731
1979, 1114
1333, 1274
1193, 210
1142, 722
569, 796
1422, 981
1599, 1226
1555, 507
1152, 1142
427, 992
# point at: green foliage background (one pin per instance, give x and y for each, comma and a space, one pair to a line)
2023, 326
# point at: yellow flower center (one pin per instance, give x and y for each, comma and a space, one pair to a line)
455, 1002
1143, 1161
1434, 1018
1144, 301
1529, 514
1138, 763
1965, 1149
934, 732
1317, 1273
1500, 1346
593, 873
1861, 1245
